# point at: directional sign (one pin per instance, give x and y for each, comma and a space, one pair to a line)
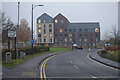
32, 41
11, 33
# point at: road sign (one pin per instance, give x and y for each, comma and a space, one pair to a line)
11, 33
32, 41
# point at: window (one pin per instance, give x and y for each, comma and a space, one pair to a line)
44, 21
65, 40
86, 30
50, 35
39, 21
85, 35
44, 31
61, 40
96, 35
74, 39
85, 40
44, 40
85, 44
74, 30
62, 21
74, 35
50, 30
61, 30
65, 30
80, 35
39, 30
44, 26
56, 21
65, 35
96, 39
39, 40
65, 44
80, 30
50, 40
39, 25
44, 35
69, 30
39, 35
80, 40
70, 35
50, 25
70, 40
55, 40
60, 35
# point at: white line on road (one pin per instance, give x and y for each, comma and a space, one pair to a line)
93, 76
75, 66
70, 61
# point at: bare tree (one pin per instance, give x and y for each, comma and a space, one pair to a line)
24, 33
106, 38
6, 25
115, 35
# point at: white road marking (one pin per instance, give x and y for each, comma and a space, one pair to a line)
69, 57
75, 66
101, 63
70, 61
93, 76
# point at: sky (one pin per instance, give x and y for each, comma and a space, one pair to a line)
106, 13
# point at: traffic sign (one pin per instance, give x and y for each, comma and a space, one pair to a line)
11, 33
32, 41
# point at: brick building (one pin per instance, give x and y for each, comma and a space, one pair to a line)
64, 33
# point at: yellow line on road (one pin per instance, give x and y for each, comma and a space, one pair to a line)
43, 68
101, 63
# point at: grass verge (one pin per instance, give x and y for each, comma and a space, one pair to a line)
19, 61
109, 55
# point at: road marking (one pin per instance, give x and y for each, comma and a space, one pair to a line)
93, 76
42, 72
101, 63
69, 57
75, 66
70, 61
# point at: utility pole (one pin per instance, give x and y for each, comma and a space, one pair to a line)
33, 6
17, 31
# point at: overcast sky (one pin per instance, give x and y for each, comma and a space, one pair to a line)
104, 12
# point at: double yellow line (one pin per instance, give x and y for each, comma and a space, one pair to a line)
42, 69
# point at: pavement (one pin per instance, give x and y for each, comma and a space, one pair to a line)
69, 64
95, 56
28, 69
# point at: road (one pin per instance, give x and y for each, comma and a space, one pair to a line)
75, 64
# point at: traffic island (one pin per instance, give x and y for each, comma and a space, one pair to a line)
96, 57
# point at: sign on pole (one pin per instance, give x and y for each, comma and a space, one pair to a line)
11, 33
32, 41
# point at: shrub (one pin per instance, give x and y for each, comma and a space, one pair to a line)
112, 48
27, 50
117, 52
103, 52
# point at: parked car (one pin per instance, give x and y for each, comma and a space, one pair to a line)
80, 48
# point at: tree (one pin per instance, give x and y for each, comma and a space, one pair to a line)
106, 38
116, 36
24, 33
6, 25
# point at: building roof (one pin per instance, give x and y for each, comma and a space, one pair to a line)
85, 24
45, 17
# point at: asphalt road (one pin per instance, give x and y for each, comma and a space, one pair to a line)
75, 64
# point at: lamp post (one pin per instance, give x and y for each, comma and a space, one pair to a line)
33, 6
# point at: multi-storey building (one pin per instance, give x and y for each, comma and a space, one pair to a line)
45, 30
64, 33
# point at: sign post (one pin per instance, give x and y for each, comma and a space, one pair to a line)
11, 34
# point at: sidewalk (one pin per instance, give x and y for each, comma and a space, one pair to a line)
27, 69
105, 61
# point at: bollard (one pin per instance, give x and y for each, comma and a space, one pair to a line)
21, 55
8, 57
89, 49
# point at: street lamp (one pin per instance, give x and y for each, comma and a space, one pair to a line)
33, 6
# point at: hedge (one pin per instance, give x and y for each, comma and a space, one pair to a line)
27, 50
110, 48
